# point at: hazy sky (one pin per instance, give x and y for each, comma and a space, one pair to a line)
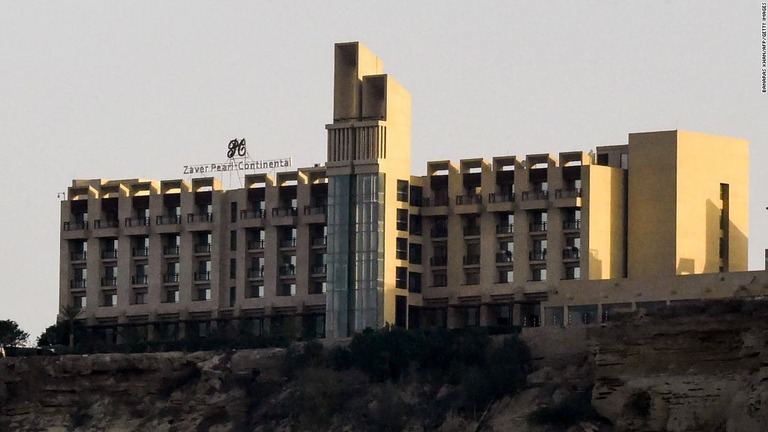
112, 89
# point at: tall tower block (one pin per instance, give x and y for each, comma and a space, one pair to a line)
369, 145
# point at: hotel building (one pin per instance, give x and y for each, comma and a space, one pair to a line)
357, 242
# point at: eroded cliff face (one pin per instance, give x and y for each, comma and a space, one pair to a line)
698, 373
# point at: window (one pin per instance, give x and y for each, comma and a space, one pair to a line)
203, 242
79, 251
573, 272
233, 240
538, 221
401, 248
140, 246
539, 250
414, 253
439, 279
203, 270
402, 219
402, 191
171, 244
109, 249
109, 298
416, 194
233, 212
471, 277
172, 295
233, 268
255, 290
506, 276
401, 277
110, 276
140, 297
414, 282
318, 287
140, 277
287, 289
473, 317
203, 293
538, 274
401, 311
232, 296
79, 301
171, 272
414, 224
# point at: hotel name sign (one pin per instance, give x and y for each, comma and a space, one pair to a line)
237, 160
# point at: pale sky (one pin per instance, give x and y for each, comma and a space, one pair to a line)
116, 89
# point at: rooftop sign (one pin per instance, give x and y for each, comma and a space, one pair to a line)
238, 159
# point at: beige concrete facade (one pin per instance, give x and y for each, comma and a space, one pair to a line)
540, 239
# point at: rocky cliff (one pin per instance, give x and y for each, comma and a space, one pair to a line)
695, 373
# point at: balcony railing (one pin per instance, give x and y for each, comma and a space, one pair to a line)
168, 220
320, 241
256, 272
289, 242
319, 269
170, 250
255, 244
109, 254
141, 251
572, 224
202, 276
537, 255
471, 230
78, 255
131, 222
105, 223
75, 225
314, 210
439, 261
78, 283
505, 228
504, 257
252, 214
471, 259
284, 211
287, 270
469, 199
538, 227
200, 217
203, 248
139, 279
171, 278
571, 253
109, 281
568, 193
535, 195
439, 201
439, 232
499, 198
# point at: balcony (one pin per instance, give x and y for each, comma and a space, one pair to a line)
203, 248
140, 252
75, 226
199, 217
139, 279
78, 283
137, 222
439, 232
469, 199
253, 214
572, 224
105, 223
256, 272
288, 243
255, 244
538, 227
109, 281
319, 269
314, 210
538, 255
287, 270
284, 211
168, 220
571, 253
505, 229
78, 255
439, 201
439, 261
500, 198
471, 260
171, 278
202, 276
535, 195
568, 193
504, 257
471, 231
320, 241
170, 250
109, 254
